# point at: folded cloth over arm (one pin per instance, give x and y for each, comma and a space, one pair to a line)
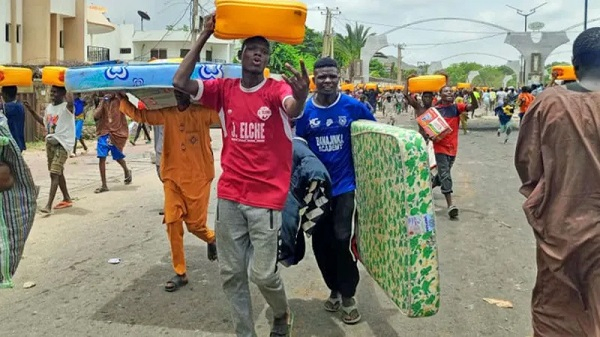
308, 200
316, 203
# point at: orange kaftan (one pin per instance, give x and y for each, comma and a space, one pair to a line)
186, 169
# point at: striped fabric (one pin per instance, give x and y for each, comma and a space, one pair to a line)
17, 208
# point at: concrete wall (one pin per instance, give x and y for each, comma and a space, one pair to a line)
17, 16
11, 13
36, 31
122, 37
75, 32
63, 7
5, 47
56, 27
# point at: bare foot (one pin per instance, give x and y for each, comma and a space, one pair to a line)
46, 210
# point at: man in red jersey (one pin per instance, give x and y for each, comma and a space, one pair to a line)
256, 160
446, 148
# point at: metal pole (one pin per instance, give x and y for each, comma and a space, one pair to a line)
585, 16
399, 64
326, 40
195, 28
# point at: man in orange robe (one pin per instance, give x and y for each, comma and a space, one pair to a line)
187, 171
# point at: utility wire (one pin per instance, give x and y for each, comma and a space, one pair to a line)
167, 32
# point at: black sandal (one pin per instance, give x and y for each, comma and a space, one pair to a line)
128, 177
282, 327
176, 282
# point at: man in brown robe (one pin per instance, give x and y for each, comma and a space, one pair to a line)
558, 161
112, 132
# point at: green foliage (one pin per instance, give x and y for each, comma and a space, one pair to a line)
377, 69
489, 76
309, 51
347, 46
283, 53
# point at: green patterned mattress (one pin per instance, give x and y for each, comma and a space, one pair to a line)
396, 222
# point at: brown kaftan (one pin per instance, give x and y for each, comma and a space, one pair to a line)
110, 121
558, 161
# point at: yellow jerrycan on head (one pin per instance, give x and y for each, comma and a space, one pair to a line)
426, 83
54, 76
565, 72
15, 76
281, 21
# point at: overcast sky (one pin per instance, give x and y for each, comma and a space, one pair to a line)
383, 15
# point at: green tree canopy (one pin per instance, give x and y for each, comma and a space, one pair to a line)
309, 51
489, 76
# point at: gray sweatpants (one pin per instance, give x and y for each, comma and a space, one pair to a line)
247, 239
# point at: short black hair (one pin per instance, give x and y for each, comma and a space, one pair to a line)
259, 39
10, 91
586, 48
60, 89
326, 62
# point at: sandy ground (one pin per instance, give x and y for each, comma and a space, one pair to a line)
488, 253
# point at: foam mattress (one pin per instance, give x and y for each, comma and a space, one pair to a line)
396, 222
151, 83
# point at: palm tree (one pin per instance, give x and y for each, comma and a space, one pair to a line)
348, 46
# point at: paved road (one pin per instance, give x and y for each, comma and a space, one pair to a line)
488, 253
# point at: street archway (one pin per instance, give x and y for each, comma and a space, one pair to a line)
377, 42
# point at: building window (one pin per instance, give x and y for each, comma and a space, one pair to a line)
183, 52
18, 33
209, 56
125, 51
158, 53
61, 39
98, 54
7, 32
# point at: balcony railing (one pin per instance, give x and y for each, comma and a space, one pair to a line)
97, 54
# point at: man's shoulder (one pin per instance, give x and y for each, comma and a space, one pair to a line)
14, 107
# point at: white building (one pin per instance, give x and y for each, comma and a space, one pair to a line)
163, 44
47, 31
126, 44
70, 30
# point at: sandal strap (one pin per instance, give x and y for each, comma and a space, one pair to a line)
348, 310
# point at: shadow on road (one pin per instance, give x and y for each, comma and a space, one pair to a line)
201, 305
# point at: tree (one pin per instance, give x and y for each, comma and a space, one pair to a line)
348, 46
489, 76
309, 51
377, 69
313, 43
284, 53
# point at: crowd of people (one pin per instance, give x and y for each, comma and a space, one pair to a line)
260, 117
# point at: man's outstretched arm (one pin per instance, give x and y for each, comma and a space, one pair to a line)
181, 80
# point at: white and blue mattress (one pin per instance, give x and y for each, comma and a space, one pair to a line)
151, 83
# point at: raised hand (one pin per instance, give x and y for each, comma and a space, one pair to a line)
299, 82
209, 23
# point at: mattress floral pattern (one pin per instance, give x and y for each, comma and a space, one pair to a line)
396, 223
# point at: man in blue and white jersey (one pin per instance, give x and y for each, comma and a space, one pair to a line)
325, 125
